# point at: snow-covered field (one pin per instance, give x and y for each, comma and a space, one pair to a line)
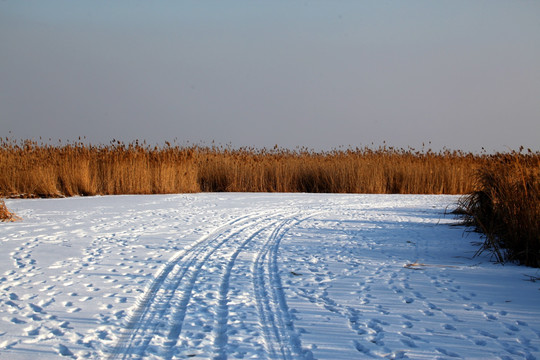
278, 276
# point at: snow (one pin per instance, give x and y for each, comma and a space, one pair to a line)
240, 276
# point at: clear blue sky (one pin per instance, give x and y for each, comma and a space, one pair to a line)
319, 74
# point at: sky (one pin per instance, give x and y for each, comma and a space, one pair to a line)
456, 74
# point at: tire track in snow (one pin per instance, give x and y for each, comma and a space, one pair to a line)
280, 337
220, 326
186, 288
153, 304
240, 239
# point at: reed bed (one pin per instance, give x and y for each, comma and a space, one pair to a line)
385, 170
29, 169
506, 207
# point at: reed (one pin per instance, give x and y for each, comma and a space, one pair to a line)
505, 206
29, 169
5, 214
385, 170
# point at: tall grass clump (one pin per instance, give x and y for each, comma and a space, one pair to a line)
5, 214
506, 207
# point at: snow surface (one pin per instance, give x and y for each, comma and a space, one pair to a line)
279, 276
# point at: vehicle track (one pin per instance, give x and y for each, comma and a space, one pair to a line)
186, 289
155, 301
166, 301
280, 338
221, 338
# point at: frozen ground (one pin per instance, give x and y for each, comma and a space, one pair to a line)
279, 276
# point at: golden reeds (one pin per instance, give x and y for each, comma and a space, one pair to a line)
30, 169
384, 170
506, 207
5, 214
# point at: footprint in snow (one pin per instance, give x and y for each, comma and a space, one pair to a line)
64, 325
47, 288
15, 320
453, 317
12, 304
407, 300
447, 353
119, 314
523, 340
56, 332
487, 334
480, 342
35, 308
408, 343
473, 306
409, 317
432, 306
382, 310
361, 348
511, 327
32, 330
449, 327
407, 325
63, 350
45, 303
6, 345
121, 300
